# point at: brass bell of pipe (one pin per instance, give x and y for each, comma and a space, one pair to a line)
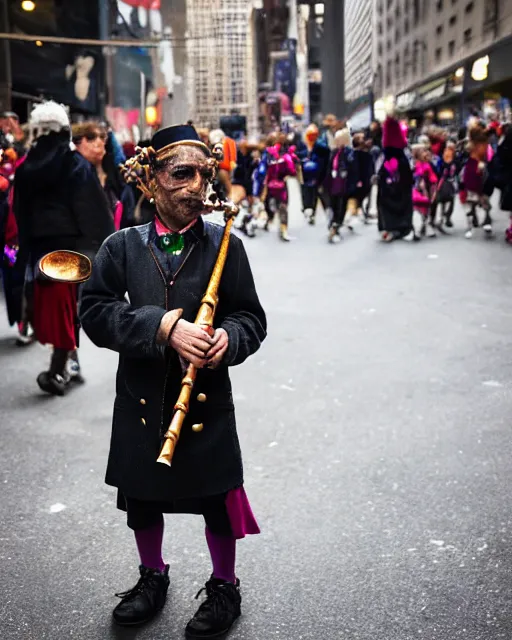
66, 266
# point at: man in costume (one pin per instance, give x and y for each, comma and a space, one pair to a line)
58, 205
144, 293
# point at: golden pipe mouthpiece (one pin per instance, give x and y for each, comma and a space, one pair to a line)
66, 266
166, 453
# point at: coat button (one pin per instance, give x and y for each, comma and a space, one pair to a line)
201, 397
142, 401
143, 421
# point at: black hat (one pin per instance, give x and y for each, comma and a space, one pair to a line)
179, 134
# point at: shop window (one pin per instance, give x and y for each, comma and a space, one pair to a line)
439, 30
439, 54
451, 48
468, 34
453, 21
469, 7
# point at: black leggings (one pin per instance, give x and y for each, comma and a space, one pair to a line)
339, 209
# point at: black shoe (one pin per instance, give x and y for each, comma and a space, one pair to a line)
218, 612
52, 383
145, 600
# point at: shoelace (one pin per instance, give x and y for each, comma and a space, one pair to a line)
131, 593
215, 601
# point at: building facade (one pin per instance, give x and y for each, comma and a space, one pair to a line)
358, 61
424, 52
221, 61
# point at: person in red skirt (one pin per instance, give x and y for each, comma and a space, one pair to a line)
58, 204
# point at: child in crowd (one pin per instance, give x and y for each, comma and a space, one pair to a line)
423, 193
474, 177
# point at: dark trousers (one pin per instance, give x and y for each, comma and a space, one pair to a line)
142, 514
339, 209
309, 197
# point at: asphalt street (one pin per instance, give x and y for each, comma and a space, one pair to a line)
375, 425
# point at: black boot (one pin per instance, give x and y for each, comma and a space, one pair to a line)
56, 379
144, 601
217, 613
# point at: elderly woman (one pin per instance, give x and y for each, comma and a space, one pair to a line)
95, 144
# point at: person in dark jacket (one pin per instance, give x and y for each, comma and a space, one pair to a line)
394, 200
58, 204
500, 177
141, 301
340, 182
314, 157
97, 147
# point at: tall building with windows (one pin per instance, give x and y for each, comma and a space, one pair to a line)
358, 61
438, 55
221, 78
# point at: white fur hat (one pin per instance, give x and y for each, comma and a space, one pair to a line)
342, 138
216, 136
48, 116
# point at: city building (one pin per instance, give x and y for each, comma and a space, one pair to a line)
326, 56
358, 62
440, 58
221, 61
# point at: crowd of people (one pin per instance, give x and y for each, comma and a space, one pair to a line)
51, 167
416, 176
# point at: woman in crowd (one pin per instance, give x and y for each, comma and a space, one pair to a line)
97, 147
394, 201
58, 204
340, 183
314, 157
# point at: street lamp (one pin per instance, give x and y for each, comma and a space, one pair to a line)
28, 5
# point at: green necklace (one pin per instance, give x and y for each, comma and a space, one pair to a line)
172, 243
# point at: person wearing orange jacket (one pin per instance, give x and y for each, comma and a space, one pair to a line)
228, 163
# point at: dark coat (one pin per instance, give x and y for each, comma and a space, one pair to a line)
149, 376
58, 201
394, 199
500, 173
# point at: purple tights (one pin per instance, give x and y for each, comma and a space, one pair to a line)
222, 550
223, 554
149, 544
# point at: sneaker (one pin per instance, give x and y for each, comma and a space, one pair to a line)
283, 233
334, 235
312, 220
448, 223
487, 228
469, 234
218, 612
431, 232
25, 335
75, 372
54, 384
410, 236
145, 600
